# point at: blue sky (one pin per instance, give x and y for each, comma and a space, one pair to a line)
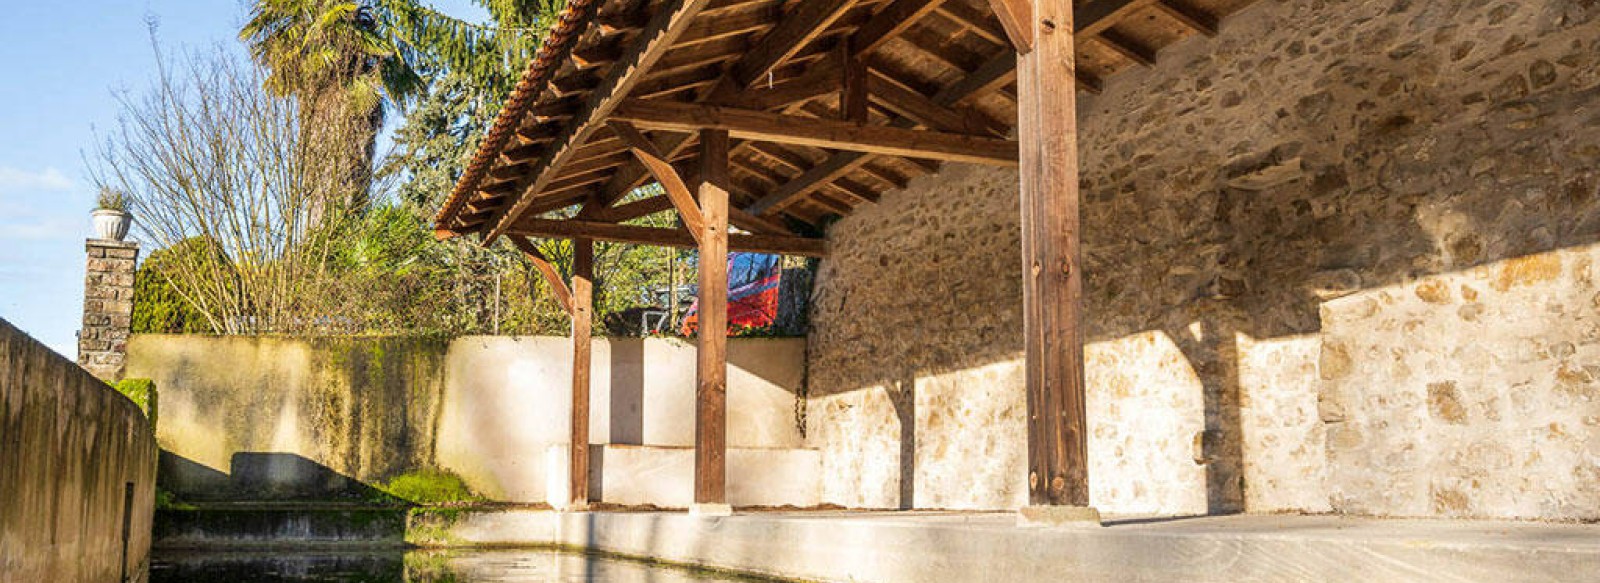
65, 64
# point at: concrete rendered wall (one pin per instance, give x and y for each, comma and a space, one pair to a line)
487, 408
508, 400
359, 408
1339, 258
77, 471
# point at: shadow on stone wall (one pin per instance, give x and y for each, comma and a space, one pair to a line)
1310, 152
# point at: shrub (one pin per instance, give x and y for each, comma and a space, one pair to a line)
158, 308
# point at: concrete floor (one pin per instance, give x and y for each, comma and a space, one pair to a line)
937, 546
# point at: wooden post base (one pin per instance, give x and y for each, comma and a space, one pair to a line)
1059, 516
710, 510
574, 507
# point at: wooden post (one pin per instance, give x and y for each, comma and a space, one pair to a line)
1058, 478
582, 321
710, 454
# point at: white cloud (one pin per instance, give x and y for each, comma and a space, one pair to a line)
43, 205
14, 181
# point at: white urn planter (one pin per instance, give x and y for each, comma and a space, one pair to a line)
112, 225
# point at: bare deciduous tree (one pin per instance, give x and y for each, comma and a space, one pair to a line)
222, 171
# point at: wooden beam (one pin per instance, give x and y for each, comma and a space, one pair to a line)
574, 228
582, 321
671, 19
889, 23
918, 108
798, 28
1052, 263
990, 76
1099, 15
819, 133
993, 73
711, 372
819, 80
552, 276
632, 210
1189, 16
1128, 47
677, 190
1016, 17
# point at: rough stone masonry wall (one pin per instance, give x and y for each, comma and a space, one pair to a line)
77, 471
107, 307
1339, 258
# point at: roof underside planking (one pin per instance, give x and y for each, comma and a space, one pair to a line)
830, 103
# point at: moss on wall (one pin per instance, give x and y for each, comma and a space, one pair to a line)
143, 393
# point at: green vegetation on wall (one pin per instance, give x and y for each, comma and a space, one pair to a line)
430, 488
143, 393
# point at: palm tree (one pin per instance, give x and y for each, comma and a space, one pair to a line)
332, 57
362, 58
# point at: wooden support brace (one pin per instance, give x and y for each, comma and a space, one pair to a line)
654, 161
1016, 17
551, 275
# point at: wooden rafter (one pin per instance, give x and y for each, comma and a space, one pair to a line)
1127, 47
889, 23
808, 20
995, 72
797, 29
819, 133
1189, 16
670, 21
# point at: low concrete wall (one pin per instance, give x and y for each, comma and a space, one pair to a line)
258, 528
77, 471
487, 408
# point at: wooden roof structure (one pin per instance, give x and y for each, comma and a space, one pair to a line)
769, 116
830, 103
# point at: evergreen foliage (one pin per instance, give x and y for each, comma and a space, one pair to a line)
158, 306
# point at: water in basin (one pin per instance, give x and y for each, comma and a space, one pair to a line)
488, 566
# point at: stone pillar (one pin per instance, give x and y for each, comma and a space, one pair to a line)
107, 307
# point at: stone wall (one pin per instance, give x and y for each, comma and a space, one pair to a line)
488, 408
107, 307
77, 471
1261, 210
